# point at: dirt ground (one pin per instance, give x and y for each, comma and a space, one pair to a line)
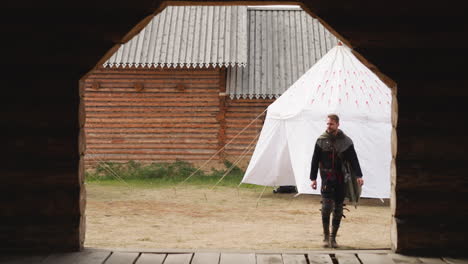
197, 218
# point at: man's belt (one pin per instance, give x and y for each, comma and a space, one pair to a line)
329, 170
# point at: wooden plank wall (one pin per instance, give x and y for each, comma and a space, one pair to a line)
151, 115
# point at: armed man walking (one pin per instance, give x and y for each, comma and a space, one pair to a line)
336, 158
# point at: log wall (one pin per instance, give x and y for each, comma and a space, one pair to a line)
160, 115
244, 121
152, 115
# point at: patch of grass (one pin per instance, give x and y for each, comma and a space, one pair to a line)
164, 174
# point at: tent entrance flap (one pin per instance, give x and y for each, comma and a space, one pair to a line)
271, 164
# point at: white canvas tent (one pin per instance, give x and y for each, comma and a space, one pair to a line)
338, 83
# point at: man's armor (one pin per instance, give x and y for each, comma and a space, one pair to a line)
332, 154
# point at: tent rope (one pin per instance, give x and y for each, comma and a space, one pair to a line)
267, 133
260, 196
242, 156
221, 149
108, 168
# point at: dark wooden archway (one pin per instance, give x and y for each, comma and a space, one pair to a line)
49, 46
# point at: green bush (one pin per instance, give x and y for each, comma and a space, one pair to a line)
173, 173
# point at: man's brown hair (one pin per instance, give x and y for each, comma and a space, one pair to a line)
334, 117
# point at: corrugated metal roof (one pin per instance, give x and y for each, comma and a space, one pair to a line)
283, 45
191, 36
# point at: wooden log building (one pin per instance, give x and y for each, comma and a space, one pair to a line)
49, 47
187, 88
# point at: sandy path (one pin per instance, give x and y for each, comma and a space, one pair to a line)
119, 217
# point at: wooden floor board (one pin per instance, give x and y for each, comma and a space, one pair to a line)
83, 257
178, 259
456, 260
346, 258
237, 258
101, 256
269, 259
22, 259
369, 258
294, 259
206, 258
432, 260
319, 259
402, 259
122, 258
150, 258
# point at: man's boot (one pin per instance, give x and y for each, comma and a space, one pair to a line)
333, 243
327, 207
326, 234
